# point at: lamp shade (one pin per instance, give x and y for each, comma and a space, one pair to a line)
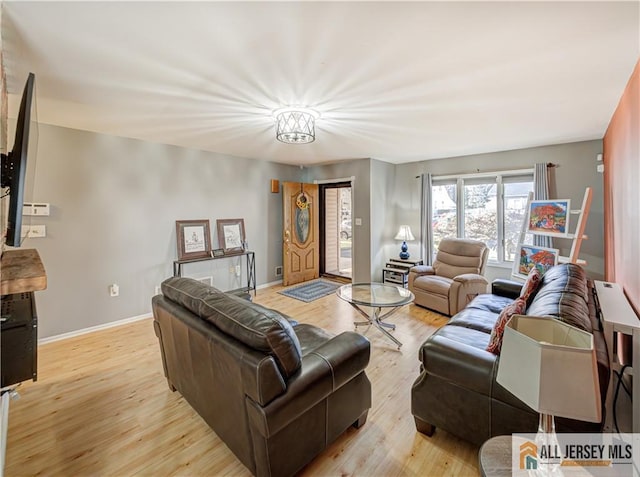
551, 367
404, 233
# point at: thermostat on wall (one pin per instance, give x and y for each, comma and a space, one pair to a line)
35, 208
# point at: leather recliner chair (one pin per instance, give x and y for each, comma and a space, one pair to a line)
454, 279
277, 392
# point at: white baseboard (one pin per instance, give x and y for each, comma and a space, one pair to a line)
270, 284
91, 329
112, 324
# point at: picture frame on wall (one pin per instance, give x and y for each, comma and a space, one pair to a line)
193, 239
529, 256
549, 217
231, 236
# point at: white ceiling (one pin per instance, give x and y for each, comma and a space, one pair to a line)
394, 81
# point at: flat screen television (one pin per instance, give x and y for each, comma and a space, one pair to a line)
14, 166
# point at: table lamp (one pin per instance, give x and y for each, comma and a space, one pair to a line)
404, 234
550, 366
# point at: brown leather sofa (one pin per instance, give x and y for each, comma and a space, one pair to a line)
457, 389
275, 391
454, 279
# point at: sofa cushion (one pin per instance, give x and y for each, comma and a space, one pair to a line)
258, 327
475, 318
489, 302
531, 286
564, 293
434, 284
515, 308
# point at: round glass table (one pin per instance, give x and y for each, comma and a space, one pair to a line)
376, 296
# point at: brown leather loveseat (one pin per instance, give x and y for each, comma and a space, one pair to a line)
457, 389
275, 391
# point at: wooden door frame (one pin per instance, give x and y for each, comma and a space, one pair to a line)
322, 186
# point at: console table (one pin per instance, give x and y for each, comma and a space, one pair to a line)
250, 263
619, 318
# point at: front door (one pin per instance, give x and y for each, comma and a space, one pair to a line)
301, 241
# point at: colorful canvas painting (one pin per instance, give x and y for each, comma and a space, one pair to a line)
529, 256
549, 217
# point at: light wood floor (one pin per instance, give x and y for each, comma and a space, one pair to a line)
101, 406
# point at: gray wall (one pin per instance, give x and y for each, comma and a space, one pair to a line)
576, 170
114, 203
384, 221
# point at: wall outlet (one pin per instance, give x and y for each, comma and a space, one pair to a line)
279, 271
158, 290
238, 271
114, 290
34, 231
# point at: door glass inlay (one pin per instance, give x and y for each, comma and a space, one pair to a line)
302, 217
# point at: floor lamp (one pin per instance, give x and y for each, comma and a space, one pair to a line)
551, 367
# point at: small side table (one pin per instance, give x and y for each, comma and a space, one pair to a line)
397, 271
494, 458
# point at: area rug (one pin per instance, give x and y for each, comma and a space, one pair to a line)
311, 290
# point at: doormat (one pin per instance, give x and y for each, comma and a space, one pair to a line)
311, 291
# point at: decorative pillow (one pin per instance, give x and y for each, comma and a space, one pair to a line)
531, 286
515, 308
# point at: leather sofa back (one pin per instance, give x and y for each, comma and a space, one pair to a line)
257, 327
459, 256
563, 293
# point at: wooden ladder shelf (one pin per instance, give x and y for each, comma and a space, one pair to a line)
576, 238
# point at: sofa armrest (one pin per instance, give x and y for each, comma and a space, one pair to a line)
445, 354
465, 288
323, 371
506, 288
471, 278
419, 270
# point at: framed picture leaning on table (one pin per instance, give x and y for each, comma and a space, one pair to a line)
529, 256
193, 238
231, 237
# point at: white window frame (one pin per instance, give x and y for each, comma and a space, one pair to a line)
498, 176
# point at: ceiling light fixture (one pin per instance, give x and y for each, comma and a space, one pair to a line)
296, 125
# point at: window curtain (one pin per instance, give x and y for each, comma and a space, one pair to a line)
426, 230
541, 192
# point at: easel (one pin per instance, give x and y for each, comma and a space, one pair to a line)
576, 238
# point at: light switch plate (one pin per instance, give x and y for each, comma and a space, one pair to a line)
36, 208
358, 221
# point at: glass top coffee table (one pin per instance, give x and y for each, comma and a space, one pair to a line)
376, 296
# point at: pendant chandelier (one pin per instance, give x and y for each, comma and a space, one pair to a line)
295, 125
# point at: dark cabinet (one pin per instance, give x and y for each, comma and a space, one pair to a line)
18, 338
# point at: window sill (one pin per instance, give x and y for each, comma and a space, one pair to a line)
507, 265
